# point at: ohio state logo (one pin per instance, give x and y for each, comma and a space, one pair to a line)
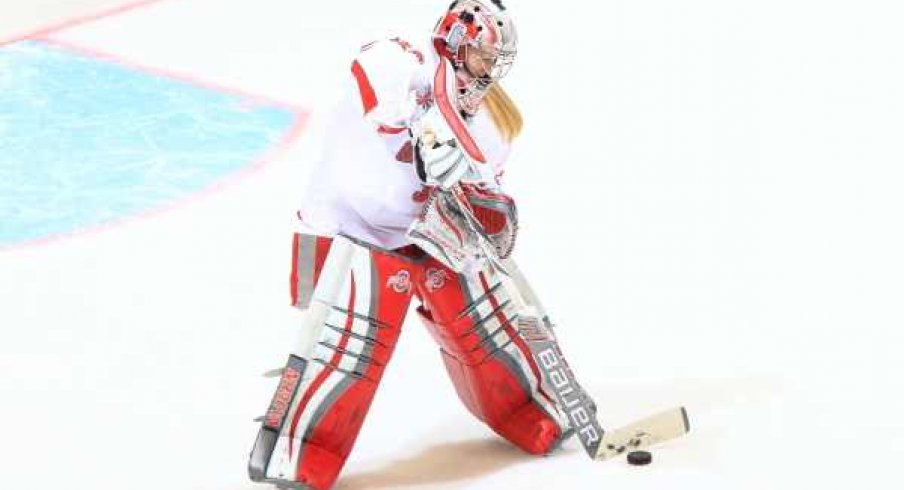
436, 278
400, 282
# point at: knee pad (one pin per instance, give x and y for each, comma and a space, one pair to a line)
490, 364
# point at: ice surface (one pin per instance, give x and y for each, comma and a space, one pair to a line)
86, 141
707, 213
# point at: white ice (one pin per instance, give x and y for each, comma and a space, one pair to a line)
710, 196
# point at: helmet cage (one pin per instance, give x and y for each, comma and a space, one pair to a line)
470, 25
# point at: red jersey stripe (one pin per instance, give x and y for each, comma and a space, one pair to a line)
327, 370
368, 96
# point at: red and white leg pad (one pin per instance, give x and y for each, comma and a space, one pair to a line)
491, 365
342, 373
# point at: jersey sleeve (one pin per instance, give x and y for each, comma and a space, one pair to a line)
384, 74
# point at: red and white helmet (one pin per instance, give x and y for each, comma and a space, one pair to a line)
477, 33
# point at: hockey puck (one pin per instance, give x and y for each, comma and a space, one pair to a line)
640, 458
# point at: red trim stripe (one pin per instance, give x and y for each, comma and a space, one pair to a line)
450, 224
327, 370
321, 250
389, 130
368, 96
294, 276
450, 114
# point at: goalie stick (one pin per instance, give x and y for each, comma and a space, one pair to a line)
535, 325
657, 428
580, 409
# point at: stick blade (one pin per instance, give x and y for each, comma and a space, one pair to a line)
655, 429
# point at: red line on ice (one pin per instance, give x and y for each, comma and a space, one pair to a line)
79, 20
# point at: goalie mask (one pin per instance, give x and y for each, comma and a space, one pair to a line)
480, 40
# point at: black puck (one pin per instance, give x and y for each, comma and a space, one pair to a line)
640, 458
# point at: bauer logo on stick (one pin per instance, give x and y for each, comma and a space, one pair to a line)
570, 398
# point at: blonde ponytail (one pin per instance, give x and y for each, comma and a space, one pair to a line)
504, 112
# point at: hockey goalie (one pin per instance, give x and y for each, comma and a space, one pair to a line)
405, 204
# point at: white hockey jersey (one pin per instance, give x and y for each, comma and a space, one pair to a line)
365, 183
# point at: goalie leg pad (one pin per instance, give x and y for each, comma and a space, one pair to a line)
342, 375
489, 362
308, 255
